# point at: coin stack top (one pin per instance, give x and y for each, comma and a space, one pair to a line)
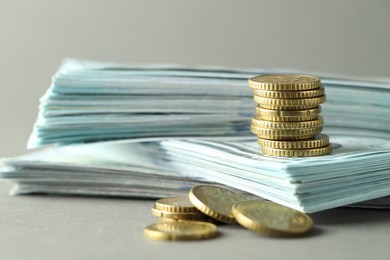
288, 121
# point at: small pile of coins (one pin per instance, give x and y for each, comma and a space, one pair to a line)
195, 217
288, 121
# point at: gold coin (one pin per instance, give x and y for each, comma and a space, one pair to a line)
215, 201
165, 220
290, 94
256, 121
289, 103
288, 113
315, 142
271, 219
297, 152
181, 230
288, 119
284, 82
177, 204
285, 134
178, 215
207, 219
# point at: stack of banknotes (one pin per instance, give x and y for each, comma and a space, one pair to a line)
156, 131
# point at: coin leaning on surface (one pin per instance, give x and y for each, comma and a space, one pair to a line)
181, 230
271, 219
284, 82
215, 201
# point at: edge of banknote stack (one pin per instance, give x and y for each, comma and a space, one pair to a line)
114, 136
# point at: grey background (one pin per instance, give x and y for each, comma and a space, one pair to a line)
343, 37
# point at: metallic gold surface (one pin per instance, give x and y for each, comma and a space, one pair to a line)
256, 121
287, 119
297, 152
288, 113
320, 140
181, 230
178, 215
215, 201
271, 219
177, 204
285, 134
296, 102
284, 82
290, 94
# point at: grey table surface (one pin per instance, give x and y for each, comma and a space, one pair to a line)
343, 37
63, 227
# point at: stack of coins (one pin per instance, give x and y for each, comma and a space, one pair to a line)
189, 218
179, 220
288, 121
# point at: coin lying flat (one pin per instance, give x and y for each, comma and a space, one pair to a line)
297, 152
271, 219
258, 122
285, 134
178, 215
289, 94
288, 113
181, 230
206, 219
320, 140
284, 82
287, 103
176, 204
215, 201
288, 119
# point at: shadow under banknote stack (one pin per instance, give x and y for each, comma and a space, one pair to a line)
288, 121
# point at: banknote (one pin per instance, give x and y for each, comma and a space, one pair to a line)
357, 170
90, 102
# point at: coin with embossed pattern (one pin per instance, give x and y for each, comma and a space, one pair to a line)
176, 204
215, 201
290, 94
181, 230
284, 82
271, 219
320, 140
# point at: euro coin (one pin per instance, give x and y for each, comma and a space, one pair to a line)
181, 230
288, 113
290, 94
271, 219
215, 201
284, 82
177, 204
297, 152
287, 119
178, 215
285, 134
207, 219
320, 140
258, 122
274, 103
